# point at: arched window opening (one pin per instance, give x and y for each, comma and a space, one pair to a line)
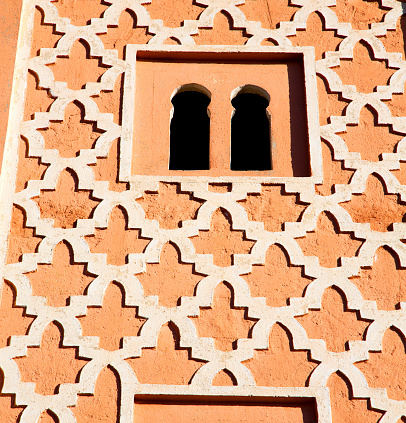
190, 129
251, 130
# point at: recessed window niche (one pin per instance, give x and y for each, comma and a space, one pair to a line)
189, 143
250, 130
225, 410
221, 114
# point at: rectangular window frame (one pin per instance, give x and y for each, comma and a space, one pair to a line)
239, 394
312, 112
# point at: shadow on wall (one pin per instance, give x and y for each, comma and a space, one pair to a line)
298, 124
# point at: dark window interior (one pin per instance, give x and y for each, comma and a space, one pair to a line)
189, 132
250, 133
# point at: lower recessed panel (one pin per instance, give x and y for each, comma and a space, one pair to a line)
224, 412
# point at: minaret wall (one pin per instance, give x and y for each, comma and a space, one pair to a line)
135, 293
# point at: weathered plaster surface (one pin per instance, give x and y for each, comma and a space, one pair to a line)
10, 21
126, 295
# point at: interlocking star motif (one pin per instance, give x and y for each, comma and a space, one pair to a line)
93, 39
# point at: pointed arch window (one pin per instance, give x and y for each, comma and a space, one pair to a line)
190, 129
250, 129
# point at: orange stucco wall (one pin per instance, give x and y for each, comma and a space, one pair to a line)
10, 20
172, 299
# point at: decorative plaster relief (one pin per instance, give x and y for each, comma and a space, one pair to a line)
318, 278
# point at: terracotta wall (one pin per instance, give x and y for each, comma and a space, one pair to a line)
157, 298
10, 13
